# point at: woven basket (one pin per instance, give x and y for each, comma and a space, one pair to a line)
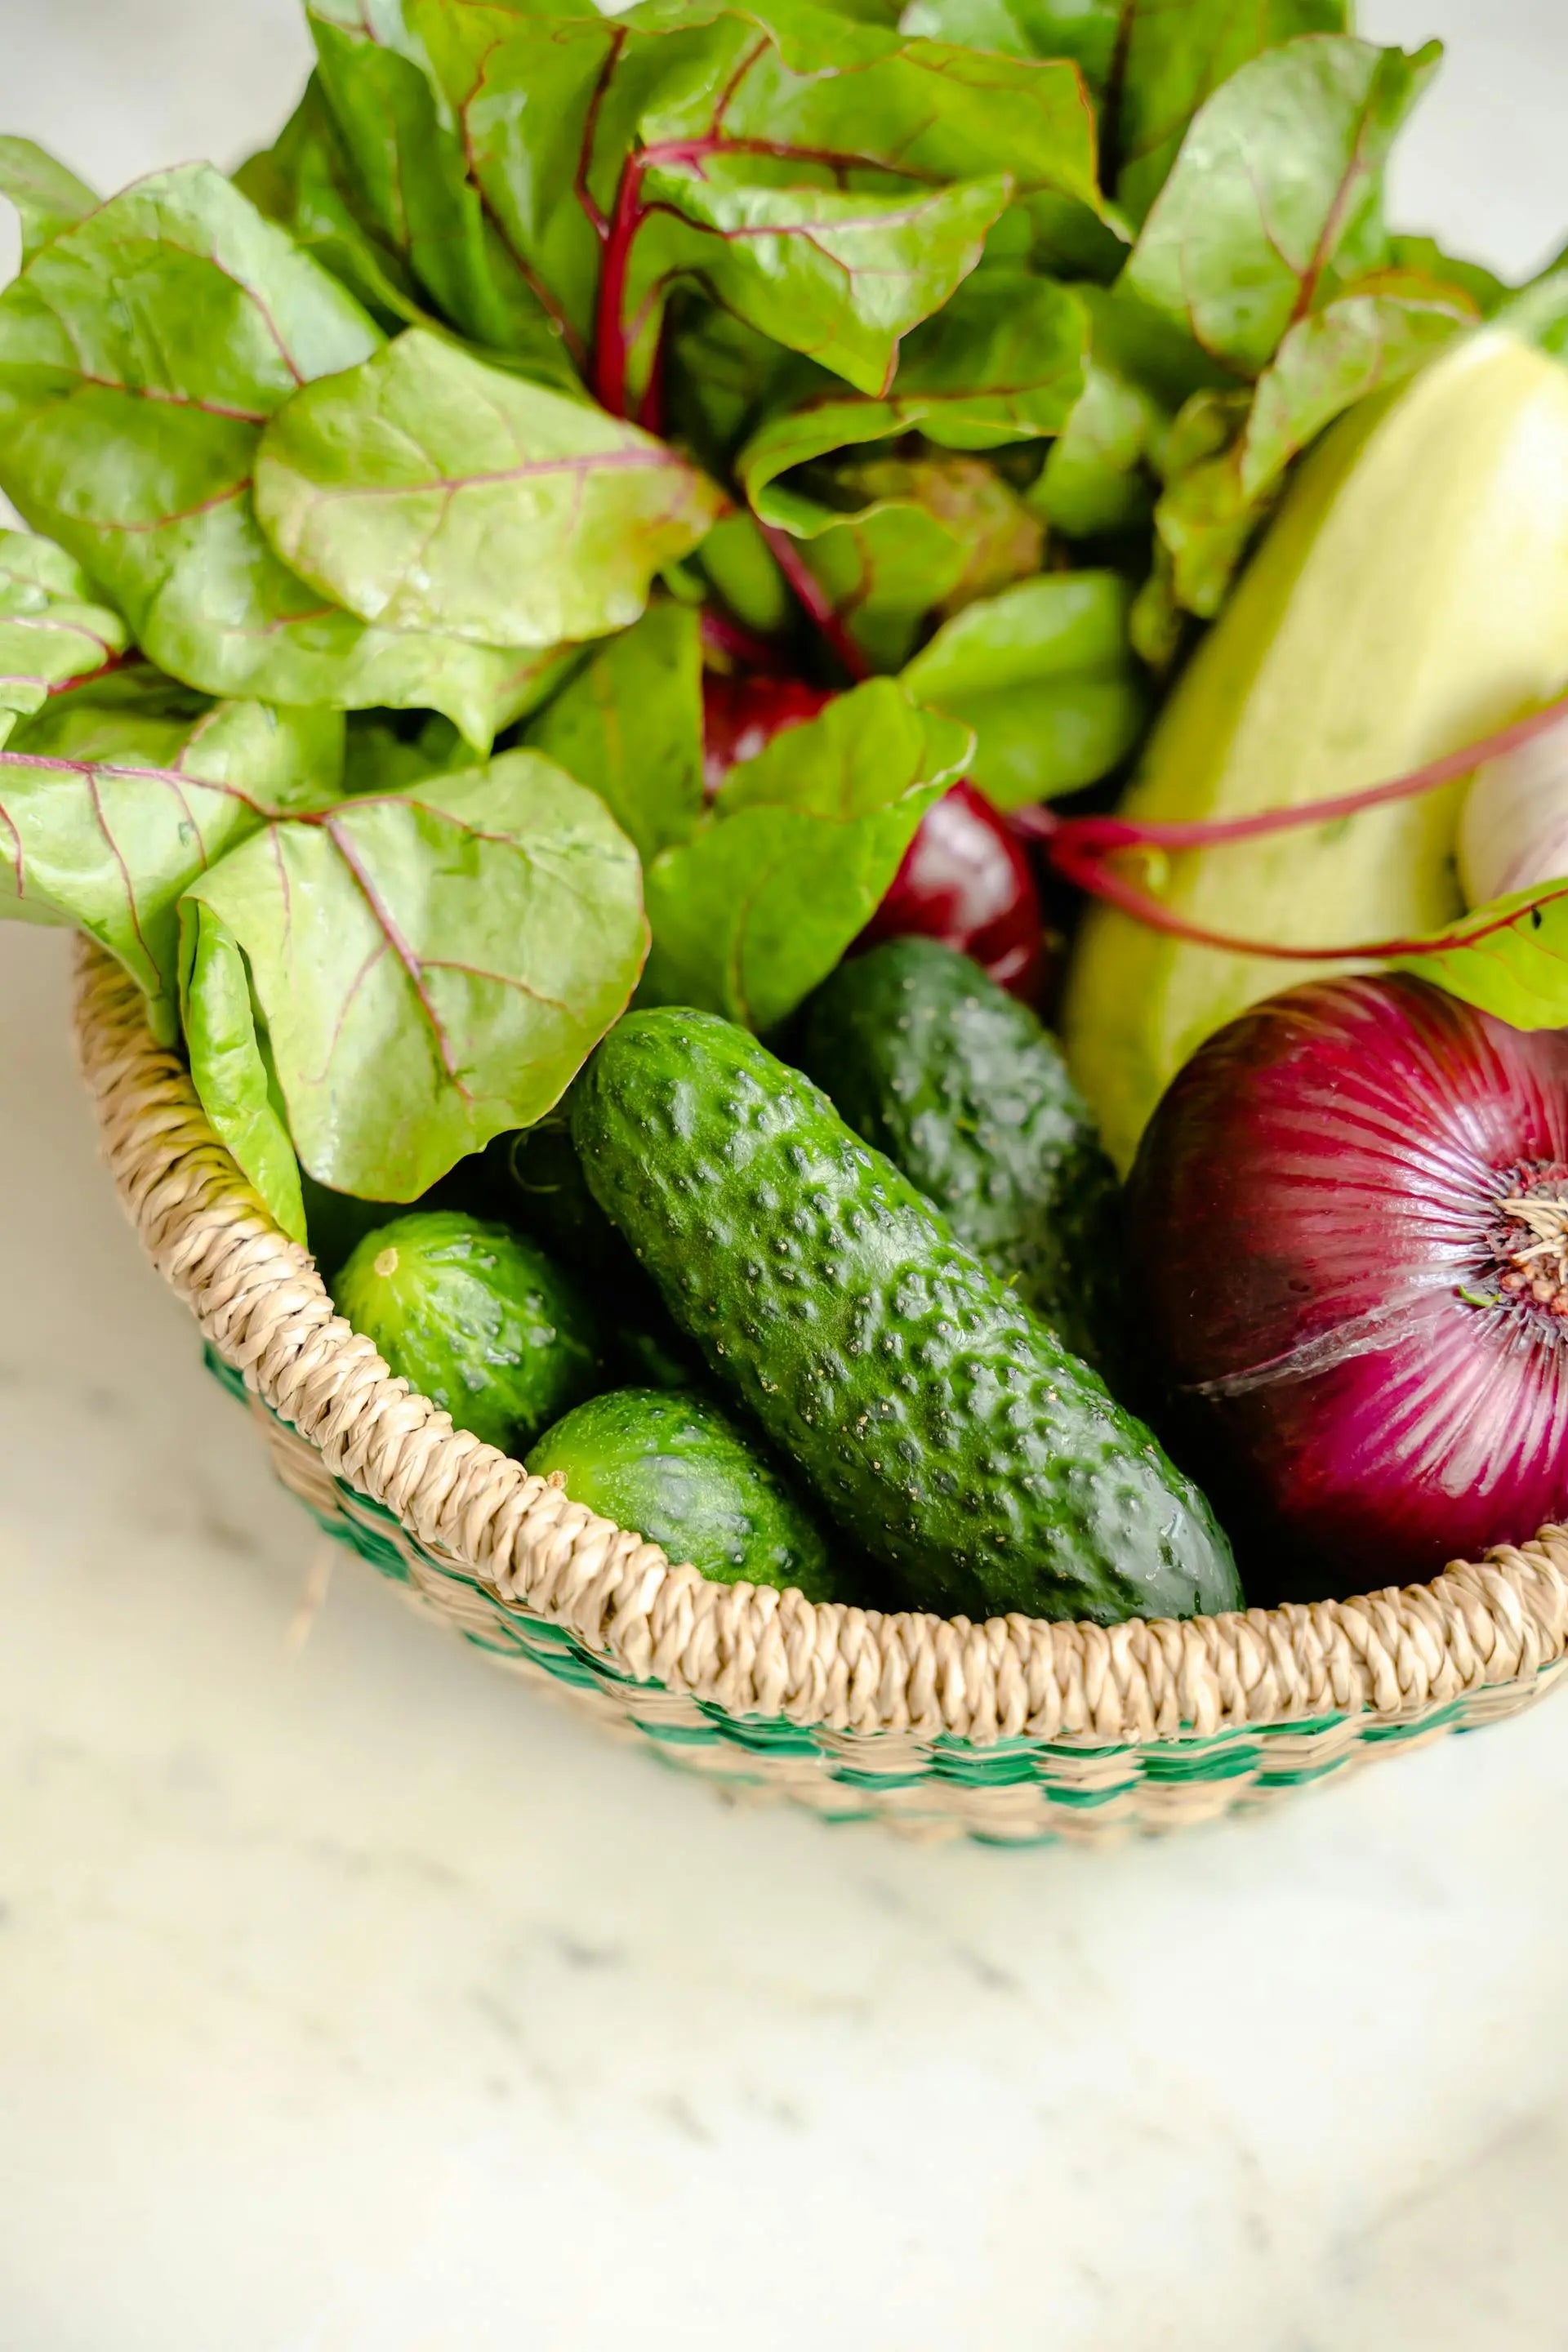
1014, 1731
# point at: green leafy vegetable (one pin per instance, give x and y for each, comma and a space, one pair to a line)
142, 352
629, 726
52, 628
232, 1066
426, 490
1004, 362
1363, 343
1173, 58
46, 194
831, 180
1043, 674
1084, 30
1425, 257
924, 535
797, 854
839, 274
411, 150
109, 839
1275, 202
305, 183
428, 968
893, 539
1099, 474
1509, 958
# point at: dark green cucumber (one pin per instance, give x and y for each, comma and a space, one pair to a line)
944, 1426
680, 1471
957, 1082
477, 1318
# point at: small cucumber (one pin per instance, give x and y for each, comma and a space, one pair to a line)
957, 1082
944, 1427
680, 1471
479, 1319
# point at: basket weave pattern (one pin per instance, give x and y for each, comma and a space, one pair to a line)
1015, 1730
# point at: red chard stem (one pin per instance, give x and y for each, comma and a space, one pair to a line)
814, 599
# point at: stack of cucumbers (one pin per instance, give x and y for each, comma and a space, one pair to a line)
841, 1322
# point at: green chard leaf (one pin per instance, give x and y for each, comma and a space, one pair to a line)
1003, 363
141, 354
305, 183
1509, 958
470, 938
109, 809
1364, 342
1100, 474
1275, 204
795, 854
827, 178
1425, 257
411, 154
629, 726
383, 754
426, 490
1043, 674
1083, 30
231, 1063
840, 275
892, 539
1173, 60
47, 195
53, 630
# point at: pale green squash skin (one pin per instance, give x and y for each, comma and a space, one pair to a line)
1410, 597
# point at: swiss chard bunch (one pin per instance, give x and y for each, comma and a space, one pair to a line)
386, 499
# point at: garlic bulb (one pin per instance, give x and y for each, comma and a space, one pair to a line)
1514, 828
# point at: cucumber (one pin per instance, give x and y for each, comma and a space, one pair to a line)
479, 1319
957, 1082
678, 1469
944, 1427
543, 1180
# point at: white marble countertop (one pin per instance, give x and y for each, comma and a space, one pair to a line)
354, 1998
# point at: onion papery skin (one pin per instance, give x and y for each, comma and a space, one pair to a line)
1317, 1236
966, 880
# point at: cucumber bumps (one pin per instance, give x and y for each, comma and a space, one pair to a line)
947, 1430
957, 1082
477, 1318
681, 1472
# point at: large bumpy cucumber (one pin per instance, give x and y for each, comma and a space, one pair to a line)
957, 1082
944, 1427
477, 1318
681, 1472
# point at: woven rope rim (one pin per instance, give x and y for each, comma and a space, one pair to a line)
260, 1303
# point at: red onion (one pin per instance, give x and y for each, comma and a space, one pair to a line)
965, 880
1349, 1222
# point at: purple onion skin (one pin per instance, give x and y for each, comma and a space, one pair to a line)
1318, 1237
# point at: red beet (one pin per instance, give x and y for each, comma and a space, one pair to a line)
964, 880
744, 710
1349, 1228
967, 881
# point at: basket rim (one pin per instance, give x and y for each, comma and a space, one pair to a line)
830, 1667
